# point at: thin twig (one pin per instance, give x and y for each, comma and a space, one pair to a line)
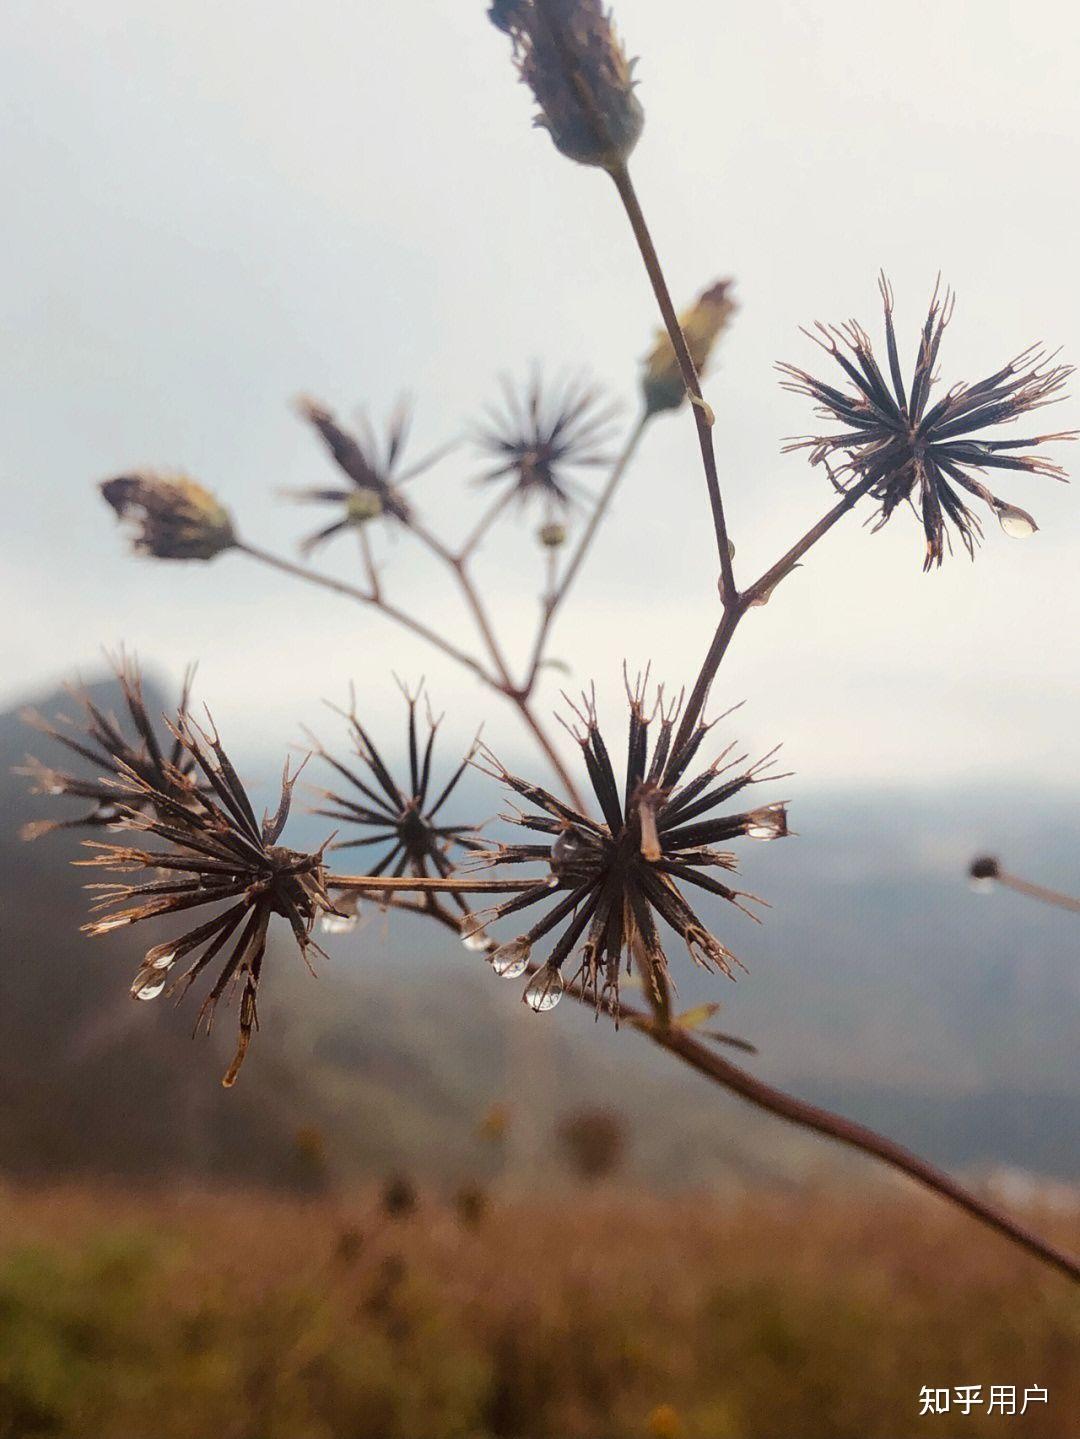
1038, 891
555, 598
703, 418
366, 597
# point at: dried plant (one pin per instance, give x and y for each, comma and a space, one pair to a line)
217, 853
901, 451
985, 872
100, 741
611, 870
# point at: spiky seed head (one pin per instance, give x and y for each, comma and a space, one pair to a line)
904, 448
703, 323
568, 53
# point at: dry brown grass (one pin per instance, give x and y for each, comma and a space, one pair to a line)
606, 1314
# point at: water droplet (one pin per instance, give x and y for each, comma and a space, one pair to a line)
478, 942
568, 851
147, 985
509, 961
163, 959
54, 789
545, 991
767, 823
982, 885
339, 923
1016, 523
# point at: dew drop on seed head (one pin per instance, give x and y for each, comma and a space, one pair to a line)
509, 961
567, 851
338, 923
478, 942
148, 987
545, 991
981, 884
1016, 523
767, 824
165, 960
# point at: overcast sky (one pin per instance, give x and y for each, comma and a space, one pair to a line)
210, 207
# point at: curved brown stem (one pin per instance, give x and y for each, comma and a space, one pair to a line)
857, 1136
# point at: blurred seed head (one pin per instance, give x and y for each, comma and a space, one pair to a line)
568, 53
702, 324
539, 436
172, 518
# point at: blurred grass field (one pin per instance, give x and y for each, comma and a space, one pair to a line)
591, 1313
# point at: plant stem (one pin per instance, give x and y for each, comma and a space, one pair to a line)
682, 1043
702, 414
365, 597
501, 681
423, 884
1039, 891
577, 559
756, 593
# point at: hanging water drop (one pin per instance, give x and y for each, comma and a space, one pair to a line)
510, 960
1016, 523
160, 959
339, 923
545, 991
478, 942
981, 884
148, 985
568, 851
768, 823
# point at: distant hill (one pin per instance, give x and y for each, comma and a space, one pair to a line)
878, 983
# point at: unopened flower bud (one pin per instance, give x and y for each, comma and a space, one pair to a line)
569, 55
552, 535
171, 518
662, 382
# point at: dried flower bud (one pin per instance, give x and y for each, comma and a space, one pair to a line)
984, 867
363, 506
569, 55
173, 519
702, 324
552, 535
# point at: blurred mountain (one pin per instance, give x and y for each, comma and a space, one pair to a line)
879, 984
